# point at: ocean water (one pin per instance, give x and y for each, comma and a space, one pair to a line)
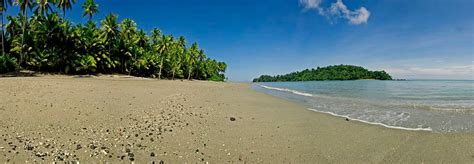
425, 105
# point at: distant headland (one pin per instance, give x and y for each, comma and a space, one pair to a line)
334, 72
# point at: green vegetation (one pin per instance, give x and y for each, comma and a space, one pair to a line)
46, 41
336, 72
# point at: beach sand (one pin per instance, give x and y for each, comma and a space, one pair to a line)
124, 119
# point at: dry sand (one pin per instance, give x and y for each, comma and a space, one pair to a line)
117, 119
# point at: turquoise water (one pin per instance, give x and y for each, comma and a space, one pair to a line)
429, 105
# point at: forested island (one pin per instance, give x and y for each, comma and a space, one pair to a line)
335, 72
40, 38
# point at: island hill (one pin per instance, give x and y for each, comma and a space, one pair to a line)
335, 72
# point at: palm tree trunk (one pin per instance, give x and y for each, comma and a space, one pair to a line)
3, 36
197, 72
123, 65
189, 75
108, 55
172, 77
22, 54
161, 66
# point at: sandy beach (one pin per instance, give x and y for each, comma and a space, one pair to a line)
125, 119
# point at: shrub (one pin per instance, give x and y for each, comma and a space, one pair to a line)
7, 64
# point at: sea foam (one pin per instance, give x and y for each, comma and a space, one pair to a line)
437, 106
373, 123
288, 90
344, 116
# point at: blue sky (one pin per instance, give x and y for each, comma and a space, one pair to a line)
427, 39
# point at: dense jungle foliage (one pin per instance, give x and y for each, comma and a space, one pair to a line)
39, 38
336, 72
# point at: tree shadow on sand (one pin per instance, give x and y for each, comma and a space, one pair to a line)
20, 74
38, 74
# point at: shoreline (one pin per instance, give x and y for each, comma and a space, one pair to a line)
134, 119
310, 100
373, 123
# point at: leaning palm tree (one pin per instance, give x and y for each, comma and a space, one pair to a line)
90, 8
65, 5
3, 7
163, 48
191, 58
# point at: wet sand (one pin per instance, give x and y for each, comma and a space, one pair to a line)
124, 119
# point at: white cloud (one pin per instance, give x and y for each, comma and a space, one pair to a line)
338, 10
361, 16
310, 4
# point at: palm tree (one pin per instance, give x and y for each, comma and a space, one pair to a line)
201, 56
109, 38
191, 58
46, 41
43, 7
221, 69
177, 55
163, 49
141, 40
129, 28
155, 41
140, 47
90, 8
93, 44
65, 5
110, 28
155, 35
13, 26
4, 4
25, 5
13, 29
